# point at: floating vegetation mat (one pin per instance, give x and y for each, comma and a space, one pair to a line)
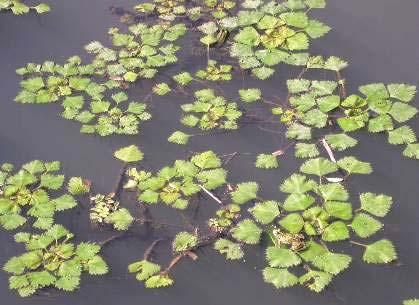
320, 117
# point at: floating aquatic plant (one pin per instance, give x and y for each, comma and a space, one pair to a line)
30, 193
265, 35
208, 112
175, 185
82, 98
138, 54
52, 260
18, 7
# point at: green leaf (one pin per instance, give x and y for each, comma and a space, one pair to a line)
411, 302
312, 251
305, 150
53, 182
401, 135
335, 64
266, 161
402, 112
64, 202
68, 283
295, 19
336, 231
144, 269
183, 78
298, 184
86, 250
353, 166
129, 154
40, 279
34, 167
319, 166
402, 92
250, 95
206, 160
245, 192
293, 223
11, 221
333, 263
365, 225
375, 91
280, 278
315, 3
248, 36
179, 137
265, 212
161, 89
281, 257
159, 281
184, 241
298, 202
247, 231
380, 123
121, 219
263, 72
298, 132
377, 205
411, 151
380, 252
298, 85
337, 209
231, 250
78, 186
350, 124
317, 29
340, 141
97, 266
333, 191
316, 280
33, 84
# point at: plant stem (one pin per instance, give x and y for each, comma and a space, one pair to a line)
118, 183
149, 250
210, 194
358, 244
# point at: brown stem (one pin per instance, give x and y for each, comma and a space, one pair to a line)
149, 250
118, 183
112, 238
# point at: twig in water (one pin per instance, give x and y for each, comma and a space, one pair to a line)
328, 150
149, 250
210, 194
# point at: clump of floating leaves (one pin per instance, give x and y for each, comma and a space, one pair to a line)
18, 7
304, 226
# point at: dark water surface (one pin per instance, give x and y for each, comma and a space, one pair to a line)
378, 37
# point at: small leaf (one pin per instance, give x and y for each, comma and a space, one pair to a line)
179, 137
78, 186
402, 112
281, 257
298, 202
53, 182
245, 192
319, 166
97, 266
411, 151
377, 205
129, 154
247, 231
336, 231
340, 141
316, 280
64, 202
365, 225
333, 263
353, 166
158, 281
298, 184
401, 135
305, 150
380, 252
121, 219
402, 92
266, 161
184, 241
250, 95
337, 209
280, 278
293, 223
265, 212
231, 250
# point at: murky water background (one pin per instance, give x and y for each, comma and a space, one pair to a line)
378, 37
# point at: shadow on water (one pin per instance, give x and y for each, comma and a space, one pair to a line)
378, 38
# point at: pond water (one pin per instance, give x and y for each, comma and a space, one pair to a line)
377, 37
